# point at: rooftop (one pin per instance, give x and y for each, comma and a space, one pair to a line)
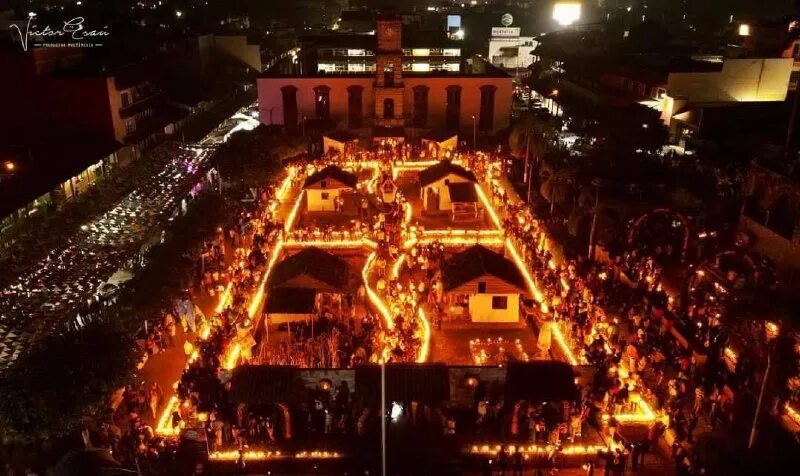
443, 169
476, 262
311, 268
332, 172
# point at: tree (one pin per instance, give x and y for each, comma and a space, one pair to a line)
558, 187
532, 139
49, 390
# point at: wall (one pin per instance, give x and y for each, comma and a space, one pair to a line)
756, 79
271, 100
315, 202
270, 97
480, 308
237, 47
470, 99
524, 44
444, 191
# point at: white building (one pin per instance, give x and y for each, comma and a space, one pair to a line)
509, 50
325, 187
484, 285
437, 183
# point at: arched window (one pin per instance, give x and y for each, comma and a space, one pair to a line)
355, 114
486, 120
388, 108
453, 107
420, 117
322, 102
289, 95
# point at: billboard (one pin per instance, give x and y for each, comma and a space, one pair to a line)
505, 31
453, 22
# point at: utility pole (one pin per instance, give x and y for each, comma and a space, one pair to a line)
526, 174
597, 183
474, 133
383, 419
759, 406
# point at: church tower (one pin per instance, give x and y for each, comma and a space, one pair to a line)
389, 73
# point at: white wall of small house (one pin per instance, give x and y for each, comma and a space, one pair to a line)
480, 308
444, 192
280, 318
315, 201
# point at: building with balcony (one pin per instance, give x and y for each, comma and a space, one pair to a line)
381, 85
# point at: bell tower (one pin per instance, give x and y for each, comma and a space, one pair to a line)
389, 73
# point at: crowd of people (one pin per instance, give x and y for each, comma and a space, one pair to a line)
333, 342
626, 333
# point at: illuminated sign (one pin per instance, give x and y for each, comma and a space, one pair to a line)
454, 22
507, 19
499, 31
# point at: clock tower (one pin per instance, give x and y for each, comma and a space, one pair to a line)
389, 73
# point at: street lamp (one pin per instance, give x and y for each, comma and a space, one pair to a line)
9, 166
474, 133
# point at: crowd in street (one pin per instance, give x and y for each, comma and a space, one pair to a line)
626, 333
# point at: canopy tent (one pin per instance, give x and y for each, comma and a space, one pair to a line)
265, 384
464, 200
343, 142
540, 381
290, 305
437, 142
424, 383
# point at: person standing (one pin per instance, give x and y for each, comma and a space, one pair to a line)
516, 469
502, 460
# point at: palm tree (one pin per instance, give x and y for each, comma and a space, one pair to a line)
531, 138
558, 186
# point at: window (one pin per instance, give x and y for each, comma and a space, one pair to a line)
322, 102
481, 287
126, 100
795, 50
289, 94
420, 67
499, 302
130, 126
486, 120
420, 52
356, 52
453, 108
452, 52
355, 115
326, 196
420, 117
388, 75
388, 108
